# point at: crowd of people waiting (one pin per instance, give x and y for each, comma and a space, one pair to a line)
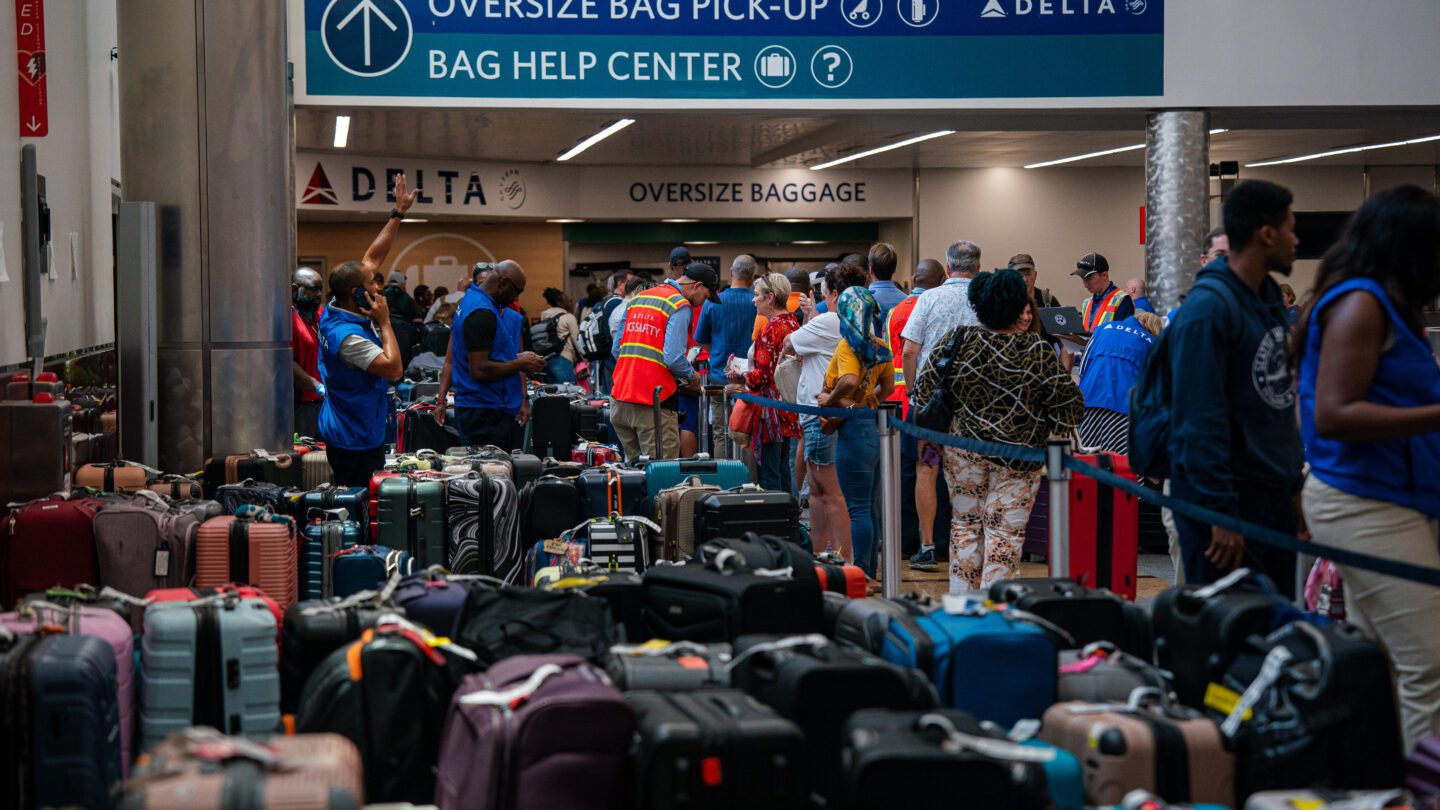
1209, 388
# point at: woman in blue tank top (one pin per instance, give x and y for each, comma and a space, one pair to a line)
1370, 419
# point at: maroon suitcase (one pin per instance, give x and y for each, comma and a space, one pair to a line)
1422, 770
46, 543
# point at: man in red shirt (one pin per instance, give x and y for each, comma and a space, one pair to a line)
307, 292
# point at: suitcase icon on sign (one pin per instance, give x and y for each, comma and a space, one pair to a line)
775, 66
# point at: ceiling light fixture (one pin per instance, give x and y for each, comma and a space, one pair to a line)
809, 242
342, 131
679, 220
414, 219
702, 243
1102, 153
794, 219
610, 129
1345, 151
564, 221
886, 148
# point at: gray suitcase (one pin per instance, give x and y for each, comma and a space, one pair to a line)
677, 666
143, 545
412, 519
210, 662
1102, 674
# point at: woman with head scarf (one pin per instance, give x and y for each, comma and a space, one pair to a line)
1001, 383
861, 375
772, 432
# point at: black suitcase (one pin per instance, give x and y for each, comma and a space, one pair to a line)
761, 552
549, 507
1087, 614
818, 685
312, 630
585, 420
717, 601
734, 512
862, 623
714, 749
420, 431
525, 467
677, 666
284, 470
1328, 721
623, 592
612, 488
550, 433
1199, 629
921, 759
59, 735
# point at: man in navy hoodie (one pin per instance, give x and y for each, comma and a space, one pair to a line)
1234, 444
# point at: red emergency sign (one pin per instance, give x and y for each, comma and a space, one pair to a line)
30, 55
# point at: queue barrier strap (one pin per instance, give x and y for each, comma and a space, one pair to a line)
1250, 531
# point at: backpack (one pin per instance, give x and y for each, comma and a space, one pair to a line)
596, 341
545, 337
1149, 430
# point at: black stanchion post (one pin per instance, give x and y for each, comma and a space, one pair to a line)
725, 443
886, 417
1059, 475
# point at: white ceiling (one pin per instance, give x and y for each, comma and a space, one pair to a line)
983, 139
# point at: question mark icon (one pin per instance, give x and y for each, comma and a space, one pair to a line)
833, 60
831, 66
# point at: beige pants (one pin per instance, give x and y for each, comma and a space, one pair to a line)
1399, 615
990, 506
1176, 559
635, 428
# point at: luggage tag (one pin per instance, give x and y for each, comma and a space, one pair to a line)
162, 559
1270, 671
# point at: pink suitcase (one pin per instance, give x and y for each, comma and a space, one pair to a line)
106, 625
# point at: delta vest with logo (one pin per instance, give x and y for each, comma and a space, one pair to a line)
640, 364
899, 316
1104, 313
505, 394
352, 416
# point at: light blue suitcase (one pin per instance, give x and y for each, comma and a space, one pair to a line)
666, 473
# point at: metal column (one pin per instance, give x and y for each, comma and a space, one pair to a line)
1059, 478
137, 262
1177, 202
206, 135
890, 566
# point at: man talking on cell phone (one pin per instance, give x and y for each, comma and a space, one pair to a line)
359, 356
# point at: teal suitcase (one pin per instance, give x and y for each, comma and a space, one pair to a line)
666, 473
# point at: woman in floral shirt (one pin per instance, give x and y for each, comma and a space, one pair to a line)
773, 433
1003, 383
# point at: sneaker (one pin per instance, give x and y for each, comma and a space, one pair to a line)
924, 560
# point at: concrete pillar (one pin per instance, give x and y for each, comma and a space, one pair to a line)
205, 132
1177, 210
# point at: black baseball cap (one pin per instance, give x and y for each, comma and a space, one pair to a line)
680, 255
704, 274
1090, 264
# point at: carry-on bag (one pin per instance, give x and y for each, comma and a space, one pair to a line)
388, 693
48, 543
550, 433
525, 467
743, 509
326, 534
117, 476
510, 741
314, 629
585, 418
201, 769
315, 470
249, 552
999, 665
419, 430
675, 512
714, 749
483, 514
847, 580
548, 506
724, 473
229, 589
1087, 614
1147, 743
818, 685
412, 518
375, 502
615, 544
58, 732
613, 489
1310, 706
142, 545
1104, 528
434, 598
36, 447
210, 662
497, 623
327, 497
623, 593
251, 492
862, 623
669, 666
367, 568
959, 756
178, 487
275, 468
720, 600
1102, 673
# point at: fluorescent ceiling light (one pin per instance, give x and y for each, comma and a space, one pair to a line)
610, 129
565, 221
414, 219
1102, 153
809, 242
342, 131
702, 243
679, 220
886, 148
1346, 151
794, 219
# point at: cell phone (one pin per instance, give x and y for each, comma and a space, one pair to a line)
358, 296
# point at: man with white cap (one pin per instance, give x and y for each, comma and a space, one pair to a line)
1106, 302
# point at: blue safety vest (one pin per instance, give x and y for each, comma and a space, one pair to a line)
501, 395
1112, 364
353, 414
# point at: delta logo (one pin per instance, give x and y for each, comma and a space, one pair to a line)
319, 191
995, 9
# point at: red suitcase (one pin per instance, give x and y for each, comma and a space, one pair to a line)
592, 454
847, 580
46, 543
249, 552
1104, 528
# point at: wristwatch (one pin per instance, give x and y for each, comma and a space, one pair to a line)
395, 214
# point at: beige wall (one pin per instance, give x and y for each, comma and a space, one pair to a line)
655, 257
439, 254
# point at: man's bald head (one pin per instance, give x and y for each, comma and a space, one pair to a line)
505, 282
306, 290
305, 277
349, 277
799, 279
929, 274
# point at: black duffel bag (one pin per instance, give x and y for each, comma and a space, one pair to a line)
499, 623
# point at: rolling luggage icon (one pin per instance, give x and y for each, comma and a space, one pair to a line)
861, 11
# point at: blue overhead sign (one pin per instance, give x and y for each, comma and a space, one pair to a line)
449, 51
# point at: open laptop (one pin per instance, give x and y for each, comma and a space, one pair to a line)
1062, 321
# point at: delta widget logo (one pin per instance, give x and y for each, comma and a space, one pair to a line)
512, 189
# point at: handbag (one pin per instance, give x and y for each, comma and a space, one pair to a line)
742, 417
936, 414
830, 424
787, 378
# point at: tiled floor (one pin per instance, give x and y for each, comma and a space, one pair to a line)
1154, 576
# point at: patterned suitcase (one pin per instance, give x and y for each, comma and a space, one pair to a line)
47, 543
483, 514
249, 552
412, 518
210, 662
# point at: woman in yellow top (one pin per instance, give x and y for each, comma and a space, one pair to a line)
861, 375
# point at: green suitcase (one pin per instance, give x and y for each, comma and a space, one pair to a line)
412, 517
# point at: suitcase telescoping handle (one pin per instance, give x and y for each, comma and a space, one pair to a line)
659, 429
811, 641
957, 741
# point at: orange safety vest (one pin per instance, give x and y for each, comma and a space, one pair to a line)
1105, 313
640, 366
894, 325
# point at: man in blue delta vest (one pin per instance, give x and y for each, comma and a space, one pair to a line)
484, 365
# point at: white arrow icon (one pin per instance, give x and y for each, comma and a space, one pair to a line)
369, 8
33, 124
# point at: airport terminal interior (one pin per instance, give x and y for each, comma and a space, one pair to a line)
720, 404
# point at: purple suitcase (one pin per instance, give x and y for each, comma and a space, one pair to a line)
535, 732
1422, 769
434, 599
1037, 530
107, 626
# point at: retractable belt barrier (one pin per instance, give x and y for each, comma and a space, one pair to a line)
1250, 531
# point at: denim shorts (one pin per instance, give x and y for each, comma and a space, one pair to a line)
819, 448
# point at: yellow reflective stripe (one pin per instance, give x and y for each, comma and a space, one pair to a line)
643, 351
660, 309
644, 359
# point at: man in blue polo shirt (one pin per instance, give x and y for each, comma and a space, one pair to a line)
484, 365
725, 329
